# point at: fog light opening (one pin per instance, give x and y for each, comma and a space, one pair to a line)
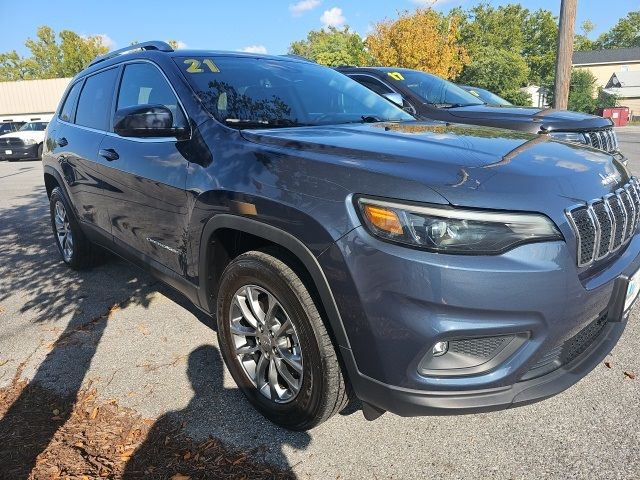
440, 349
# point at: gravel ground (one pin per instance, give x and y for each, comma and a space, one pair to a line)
159, 356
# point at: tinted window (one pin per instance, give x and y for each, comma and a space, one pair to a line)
143, 84
66, 112
6, 128
432, 89
95, 100
372, 84
34, 127
257, 92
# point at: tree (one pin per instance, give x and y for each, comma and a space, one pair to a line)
582, 42
333, 47
625, 34
513, 29
581, 92
424, 40
540, 31
498, 70
50, 58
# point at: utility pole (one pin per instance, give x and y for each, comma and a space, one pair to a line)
566, 33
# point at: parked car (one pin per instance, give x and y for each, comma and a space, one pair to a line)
430, 97
344, 248
23, 144
10, 126
489, 98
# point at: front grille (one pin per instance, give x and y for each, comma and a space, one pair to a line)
568, 351
11, 142
606, 140
605, 224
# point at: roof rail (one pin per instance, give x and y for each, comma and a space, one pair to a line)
153, 45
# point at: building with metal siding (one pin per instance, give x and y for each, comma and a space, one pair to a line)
30, 100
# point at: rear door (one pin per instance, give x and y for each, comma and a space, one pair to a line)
150, 174
78, 136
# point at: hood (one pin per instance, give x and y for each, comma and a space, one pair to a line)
549, 119
36, 135
467, 165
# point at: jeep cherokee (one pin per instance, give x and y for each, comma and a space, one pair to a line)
345, 249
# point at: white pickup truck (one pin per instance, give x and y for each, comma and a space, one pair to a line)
26, 143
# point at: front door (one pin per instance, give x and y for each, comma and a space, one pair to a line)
150, 213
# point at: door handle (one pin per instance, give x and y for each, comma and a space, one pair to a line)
62, 142
109, 154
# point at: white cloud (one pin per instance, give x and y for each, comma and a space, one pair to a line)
302, 6
333, 17
181, 44
255, 49
106, 40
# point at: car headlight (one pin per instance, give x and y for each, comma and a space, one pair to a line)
29, 141
454, 230
575, 137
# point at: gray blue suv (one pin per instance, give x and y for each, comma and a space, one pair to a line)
346, 250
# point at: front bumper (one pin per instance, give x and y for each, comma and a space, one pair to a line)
19, 152
396, 303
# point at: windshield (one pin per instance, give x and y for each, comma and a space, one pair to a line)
488, 97
248, 92
434, 90
34, 126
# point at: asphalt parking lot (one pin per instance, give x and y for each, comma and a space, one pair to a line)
159, 356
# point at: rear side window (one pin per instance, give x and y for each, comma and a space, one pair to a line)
372, 84
94, 106
143, 84
66, 112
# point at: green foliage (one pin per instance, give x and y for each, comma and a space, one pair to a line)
605, 100
625, 34
510, 47
498, 70
517, 97
51, 58
581, 91
333, 47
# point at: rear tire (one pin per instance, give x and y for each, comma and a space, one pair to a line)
308, 385
74, 247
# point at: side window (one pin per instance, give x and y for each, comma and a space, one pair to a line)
372, 84
143, 84
94, 106
66, 112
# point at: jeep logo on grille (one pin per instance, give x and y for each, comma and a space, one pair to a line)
610, 179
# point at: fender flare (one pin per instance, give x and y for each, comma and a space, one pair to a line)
280, 238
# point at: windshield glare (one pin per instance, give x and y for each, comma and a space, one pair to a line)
34, 126
247, 92
435, 90
488, 97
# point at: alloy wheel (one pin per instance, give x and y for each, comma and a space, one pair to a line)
266, 343
63, 231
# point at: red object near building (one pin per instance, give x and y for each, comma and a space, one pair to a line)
618, 115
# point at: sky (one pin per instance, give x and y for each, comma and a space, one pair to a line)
250, 25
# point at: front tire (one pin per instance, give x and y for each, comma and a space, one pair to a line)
74, 247
276, 345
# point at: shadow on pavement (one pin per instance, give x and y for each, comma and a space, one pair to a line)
49, 294
156, 457
31, 266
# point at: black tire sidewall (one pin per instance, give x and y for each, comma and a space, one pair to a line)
305, 407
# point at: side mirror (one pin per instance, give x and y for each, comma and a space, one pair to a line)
395, 98
147, 121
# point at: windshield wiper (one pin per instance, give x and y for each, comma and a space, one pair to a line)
273, 123
455, 105
371, 119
